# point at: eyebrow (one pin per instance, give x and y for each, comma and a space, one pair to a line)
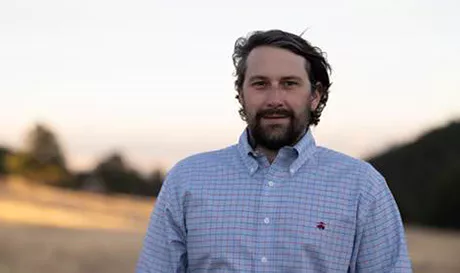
292, 78
257, 77
260, 77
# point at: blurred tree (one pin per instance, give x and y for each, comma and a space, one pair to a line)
42, 159
424, 176
42, 145
4, 152
446, 205
118, 177
155, 181
112, 171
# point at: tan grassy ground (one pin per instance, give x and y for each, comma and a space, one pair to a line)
48, 230
22, 202
35, 249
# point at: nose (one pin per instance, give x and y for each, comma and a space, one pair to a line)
275, 96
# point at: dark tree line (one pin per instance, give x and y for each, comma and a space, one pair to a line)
42, 161
424, 176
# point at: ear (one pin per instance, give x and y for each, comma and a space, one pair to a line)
315, 95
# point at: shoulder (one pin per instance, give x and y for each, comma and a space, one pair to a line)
205, 159
339, 161
201, 164
363, 173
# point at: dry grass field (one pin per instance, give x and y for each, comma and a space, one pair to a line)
48, 230
37, 249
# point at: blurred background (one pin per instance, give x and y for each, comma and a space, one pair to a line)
99, 99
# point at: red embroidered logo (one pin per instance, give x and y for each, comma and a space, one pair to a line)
321, 225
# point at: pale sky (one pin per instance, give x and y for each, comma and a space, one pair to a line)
153, 79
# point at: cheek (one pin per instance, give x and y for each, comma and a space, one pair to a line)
250, 109
299, 105
252, 103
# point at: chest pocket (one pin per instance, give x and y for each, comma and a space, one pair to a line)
323, 239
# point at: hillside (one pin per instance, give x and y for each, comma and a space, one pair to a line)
424, 176
22, 202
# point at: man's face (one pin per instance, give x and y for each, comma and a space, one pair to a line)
277, 97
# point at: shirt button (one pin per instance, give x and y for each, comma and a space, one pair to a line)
264, 260
270, 183
266, 220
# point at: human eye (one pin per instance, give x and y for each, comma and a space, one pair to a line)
259, 84
290, 83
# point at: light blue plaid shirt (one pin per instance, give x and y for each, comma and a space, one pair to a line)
311, 210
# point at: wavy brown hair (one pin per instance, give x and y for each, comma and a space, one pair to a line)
317, 67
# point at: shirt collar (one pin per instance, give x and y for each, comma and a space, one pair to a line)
303, 150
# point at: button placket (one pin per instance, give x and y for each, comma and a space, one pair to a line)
266, 213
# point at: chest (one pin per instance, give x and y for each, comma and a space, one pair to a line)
274, 218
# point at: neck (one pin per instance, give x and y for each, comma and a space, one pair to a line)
270, 154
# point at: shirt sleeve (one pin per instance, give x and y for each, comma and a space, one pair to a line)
164, 247
380, 243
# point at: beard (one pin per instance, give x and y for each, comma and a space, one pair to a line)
275, 136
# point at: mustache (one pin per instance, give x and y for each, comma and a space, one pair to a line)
274, 111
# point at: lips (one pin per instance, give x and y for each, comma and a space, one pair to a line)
275, 117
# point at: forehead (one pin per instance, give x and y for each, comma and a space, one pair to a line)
275, 62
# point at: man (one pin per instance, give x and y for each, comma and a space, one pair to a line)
275, 202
